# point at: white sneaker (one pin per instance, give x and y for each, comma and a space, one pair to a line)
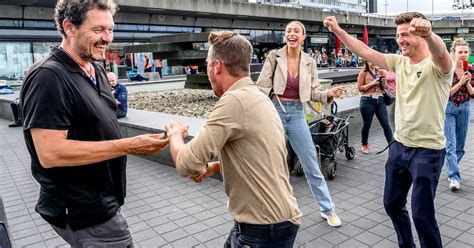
454, 184
333, 220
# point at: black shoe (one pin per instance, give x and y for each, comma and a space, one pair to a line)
15, 125
146, 79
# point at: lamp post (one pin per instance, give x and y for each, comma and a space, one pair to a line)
432, 8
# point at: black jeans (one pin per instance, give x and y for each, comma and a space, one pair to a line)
368, 107
421, 168
280, 235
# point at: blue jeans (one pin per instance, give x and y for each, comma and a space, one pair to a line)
285, 239
368, 107
455, 130
297, 130
420, 167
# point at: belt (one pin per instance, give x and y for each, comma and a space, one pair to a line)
268, 231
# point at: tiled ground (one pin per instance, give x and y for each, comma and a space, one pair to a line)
165, 209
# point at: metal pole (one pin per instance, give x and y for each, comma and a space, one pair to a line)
432, 8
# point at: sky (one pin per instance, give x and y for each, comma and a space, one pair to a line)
423, 6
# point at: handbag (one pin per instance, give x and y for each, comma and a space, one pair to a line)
388, 98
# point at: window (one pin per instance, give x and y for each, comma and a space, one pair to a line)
11, 23
15, 57
40, 24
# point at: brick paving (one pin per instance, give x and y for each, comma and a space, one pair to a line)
164, 209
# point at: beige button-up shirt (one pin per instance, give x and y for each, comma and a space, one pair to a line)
245, 131
276, 75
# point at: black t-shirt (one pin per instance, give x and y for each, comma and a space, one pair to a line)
58, 95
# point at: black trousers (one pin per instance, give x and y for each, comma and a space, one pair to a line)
368, 108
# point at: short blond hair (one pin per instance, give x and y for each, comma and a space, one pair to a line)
233, 50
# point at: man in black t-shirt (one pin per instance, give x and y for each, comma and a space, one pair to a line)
72, 134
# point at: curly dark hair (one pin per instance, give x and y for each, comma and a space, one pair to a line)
75, 11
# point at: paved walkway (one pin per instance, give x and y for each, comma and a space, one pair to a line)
165, 209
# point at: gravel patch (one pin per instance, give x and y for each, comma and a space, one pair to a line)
192, 102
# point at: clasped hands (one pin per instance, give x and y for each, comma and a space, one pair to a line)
181, 130
177, 128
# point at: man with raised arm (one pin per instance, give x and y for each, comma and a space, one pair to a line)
423, 73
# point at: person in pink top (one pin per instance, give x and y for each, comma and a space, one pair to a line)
391, 84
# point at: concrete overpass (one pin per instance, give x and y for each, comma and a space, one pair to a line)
227, 14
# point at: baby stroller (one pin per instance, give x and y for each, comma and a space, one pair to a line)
330, 134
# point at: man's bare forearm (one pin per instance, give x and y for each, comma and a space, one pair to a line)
439, 53
55, 150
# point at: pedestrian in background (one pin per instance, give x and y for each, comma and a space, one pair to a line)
291, 77
120, 93
16, 112
147, 64
424, 73
72, 134
390, 78
134, 75
159, 67
458, 112
371, 84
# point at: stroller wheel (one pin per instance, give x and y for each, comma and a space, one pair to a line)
350, 152
298, 169
329, 170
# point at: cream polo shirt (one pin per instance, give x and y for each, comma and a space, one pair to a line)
245, 131
422, 97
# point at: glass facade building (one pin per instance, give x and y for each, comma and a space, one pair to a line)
16, 57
